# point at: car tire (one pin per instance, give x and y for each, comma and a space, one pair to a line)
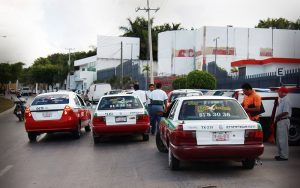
87, 128
145, 137
248, 163
173, 162
32, 137
96, 140
77, 132
294, 132
159, 144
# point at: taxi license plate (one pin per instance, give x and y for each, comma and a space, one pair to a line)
47, 114
220, 136
121, 119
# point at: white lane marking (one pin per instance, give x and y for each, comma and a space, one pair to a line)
6, 169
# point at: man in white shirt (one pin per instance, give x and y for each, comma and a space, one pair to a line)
158, 103
151, 88
282, 125
140, 93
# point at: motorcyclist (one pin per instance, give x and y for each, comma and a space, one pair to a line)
19, 110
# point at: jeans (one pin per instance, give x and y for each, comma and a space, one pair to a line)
282, 138
155, 118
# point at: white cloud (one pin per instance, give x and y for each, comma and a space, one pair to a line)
36, 28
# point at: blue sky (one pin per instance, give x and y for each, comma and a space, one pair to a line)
37, 28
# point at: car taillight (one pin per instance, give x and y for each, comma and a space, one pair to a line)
181, 137
67, 110
28, 113
98, 120
142, 118
253, 136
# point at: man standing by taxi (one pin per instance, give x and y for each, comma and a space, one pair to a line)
140, 93
282, 125
158, 102
251, 102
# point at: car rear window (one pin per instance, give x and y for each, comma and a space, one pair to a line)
211, 109
176, 95
51, 99
119, 102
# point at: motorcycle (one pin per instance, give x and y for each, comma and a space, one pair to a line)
19, 110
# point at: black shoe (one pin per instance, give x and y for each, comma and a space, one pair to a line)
278, 158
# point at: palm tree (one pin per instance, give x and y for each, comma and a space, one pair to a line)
139, 28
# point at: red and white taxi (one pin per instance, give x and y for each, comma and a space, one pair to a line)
57, 112
120, 114
209, 128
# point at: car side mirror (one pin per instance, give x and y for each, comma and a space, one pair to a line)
88, 104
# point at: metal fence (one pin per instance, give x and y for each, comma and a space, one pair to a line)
130, 69
265, 80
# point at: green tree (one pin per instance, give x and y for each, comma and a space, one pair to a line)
279, 23
139, 28
200, 80
5, 74
180, 83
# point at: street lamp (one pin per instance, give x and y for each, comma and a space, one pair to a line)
227, 38
69, 63
216, 49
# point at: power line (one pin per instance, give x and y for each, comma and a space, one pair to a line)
148, 9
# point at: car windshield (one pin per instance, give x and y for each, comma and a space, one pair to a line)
51, 99
119, 102
211, 109
176, 95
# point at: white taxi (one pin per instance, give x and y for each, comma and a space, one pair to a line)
120, 114
57, 112
209, 128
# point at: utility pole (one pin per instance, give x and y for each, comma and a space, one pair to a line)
148, 9
69, 63
122, 64
216, 50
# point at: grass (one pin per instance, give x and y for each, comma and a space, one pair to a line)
5, 104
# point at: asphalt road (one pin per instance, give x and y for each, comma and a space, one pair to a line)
59, 161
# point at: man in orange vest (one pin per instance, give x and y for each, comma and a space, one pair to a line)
251, 102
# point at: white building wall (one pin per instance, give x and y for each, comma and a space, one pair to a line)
272, 67
248, 43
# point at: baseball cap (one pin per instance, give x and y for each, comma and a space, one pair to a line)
283, 90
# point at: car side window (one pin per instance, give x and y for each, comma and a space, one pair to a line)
173, 109
77, 101
80, 100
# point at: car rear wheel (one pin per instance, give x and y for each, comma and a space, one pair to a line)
145, 137
32, 137
248, 163
159, 144
87, 128
173, 162
77, 132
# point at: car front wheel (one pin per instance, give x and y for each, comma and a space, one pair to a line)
173, 162
248, 163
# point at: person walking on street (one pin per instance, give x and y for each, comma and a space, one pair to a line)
282, 125
140, 93
151, 88
158, 102
251, 102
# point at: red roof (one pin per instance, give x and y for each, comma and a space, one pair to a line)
264, 61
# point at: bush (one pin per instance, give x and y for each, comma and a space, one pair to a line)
180, 83
200, 80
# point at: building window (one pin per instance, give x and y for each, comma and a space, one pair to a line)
83, 69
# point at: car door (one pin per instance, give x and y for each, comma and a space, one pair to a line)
84, 112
